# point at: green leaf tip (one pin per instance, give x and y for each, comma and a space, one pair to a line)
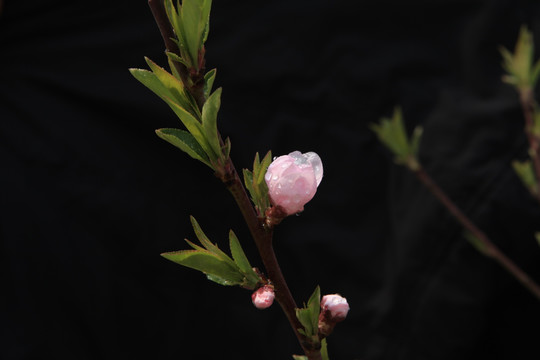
185, 142
392, 133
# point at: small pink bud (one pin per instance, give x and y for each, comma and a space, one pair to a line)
293, 179
337, 305
334, 308
263, 297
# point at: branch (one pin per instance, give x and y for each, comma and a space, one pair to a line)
527, 104
490, 248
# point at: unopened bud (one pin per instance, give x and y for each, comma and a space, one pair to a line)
293, 179
334, 308
263, 297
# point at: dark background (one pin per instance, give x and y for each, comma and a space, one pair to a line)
89, 196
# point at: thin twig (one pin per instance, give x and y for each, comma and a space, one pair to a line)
527, 105
490, 249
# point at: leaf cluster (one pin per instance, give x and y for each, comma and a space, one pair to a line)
521, 70
201, 141
256, 185
190, 21
392, 133
309, 317
216, 264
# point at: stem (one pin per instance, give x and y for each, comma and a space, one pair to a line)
491, 249
527, 104
261, 235
263, 239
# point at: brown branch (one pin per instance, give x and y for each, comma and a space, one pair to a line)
491, 249
527, 104
263, 239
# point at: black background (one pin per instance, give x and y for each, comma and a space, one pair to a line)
89, 196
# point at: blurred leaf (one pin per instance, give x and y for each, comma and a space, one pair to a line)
209, 121
477, 243
185, 142
392, 133
525, 172
537, 236
207, 263
519, 64
300, 357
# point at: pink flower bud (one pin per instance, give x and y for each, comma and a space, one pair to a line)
334, 308
263, 297
293, 179
337, 305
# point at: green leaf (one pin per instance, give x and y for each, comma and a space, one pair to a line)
207, 263
248, 181
209, 78
175, 57
193, 126
525, 172
264, 167
392, 133
324, 350
195, 17
185, 142
209, 121
174, 85
208, 244
238, 254
300, 357
477, 243
309, 315
519, 64
175, 19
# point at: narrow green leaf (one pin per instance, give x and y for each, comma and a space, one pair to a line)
314, 306
227, 149
304, 316
185, 142
191, 17
248, 181
525, 172
300, 357
205, 17
221, 281
194, 246
209, 78
209, 121
174, 85
175, 57
324, 350
264, 166
207, 263
151, 81
256, 166
479, 245
208, 244
238, 253
193, 126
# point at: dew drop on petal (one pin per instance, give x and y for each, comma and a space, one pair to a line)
316, 163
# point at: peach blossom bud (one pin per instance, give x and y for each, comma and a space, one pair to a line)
263, 297
293, 179
337, 305
334, 308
